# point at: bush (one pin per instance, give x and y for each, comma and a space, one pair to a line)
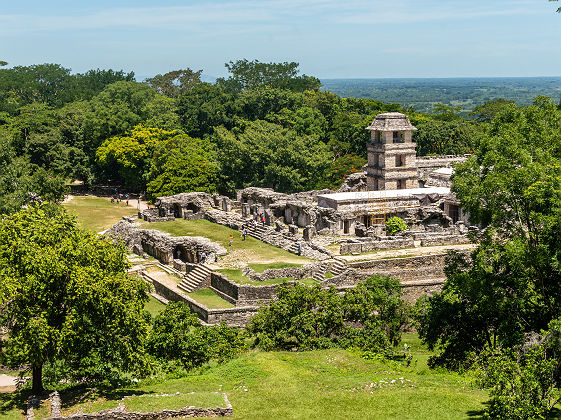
523, 381
394, 225
178, 336
369, 317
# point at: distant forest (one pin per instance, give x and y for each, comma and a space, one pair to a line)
424, 94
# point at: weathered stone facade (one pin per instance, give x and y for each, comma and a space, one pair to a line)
163, 246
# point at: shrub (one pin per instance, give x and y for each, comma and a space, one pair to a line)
369, 317
178, 336
394, 225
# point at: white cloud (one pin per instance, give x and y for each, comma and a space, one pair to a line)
266, 12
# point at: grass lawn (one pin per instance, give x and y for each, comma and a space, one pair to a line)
260, 268
154, 306
98, 213
220, 234
210, 299
235, 275
322, 384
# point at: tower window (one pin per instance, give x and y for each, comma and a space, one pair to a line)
398, 137
399, 160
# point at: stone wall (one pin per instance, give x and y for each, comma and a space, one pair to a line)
297, 273
234, 317
358, 246
405, 269
119, 413
163, 246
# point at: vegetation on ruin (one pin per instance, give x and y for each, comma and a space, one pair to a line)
395, 225
210, 299
259, 251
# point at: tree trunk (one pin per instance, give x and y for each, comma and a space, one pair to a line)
37, 387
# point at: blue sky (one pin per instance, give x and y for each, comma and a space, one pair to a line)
329, 38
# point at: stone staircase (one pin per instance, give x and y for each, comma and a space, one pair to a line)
334, 266
192, 281
257, 231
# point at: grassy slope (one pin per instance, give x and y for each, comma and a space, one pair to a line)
97, 213
154, 306
220, 234
334, 384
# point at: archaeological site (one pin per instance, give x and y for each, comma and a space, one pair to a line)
335, 238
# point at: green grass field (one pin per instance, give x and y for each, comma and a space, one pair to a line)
154, 306
210, 299
323, 384
98, 213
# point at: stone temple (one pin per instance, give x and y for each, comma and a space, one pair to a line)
342, 232
395, 182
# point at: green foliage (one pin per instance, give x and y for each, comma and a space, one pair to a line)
182, 164
523, 381
65, 297
129, 156
178, 335
454, 137
247, 74
511, 283
340, 168
395, 225
305, 318
267, 155
175, 83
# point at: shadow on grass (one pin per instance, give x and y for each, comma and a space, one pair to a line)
81, 394
13, 400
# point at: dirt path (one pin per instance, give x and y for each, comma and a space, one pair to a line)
408, 252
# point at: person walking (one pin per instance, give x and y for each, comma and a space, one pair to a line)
203, 257
244, 233
263, 218
231, 238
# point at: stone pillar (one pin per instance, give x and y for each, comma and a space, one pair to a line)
309, 233
246, 211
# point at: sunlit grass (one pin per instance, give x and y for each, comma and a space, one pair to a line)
97, 213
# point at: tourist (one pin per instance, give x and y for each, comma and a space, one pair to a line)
244, 234
299, 249
231, 238
263, 218
203, 257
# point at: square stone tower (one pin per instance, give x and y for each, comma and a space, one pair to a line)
391, 153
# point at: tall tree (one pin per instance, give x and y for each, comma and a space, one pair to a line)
254, 74
175, 83
65, 297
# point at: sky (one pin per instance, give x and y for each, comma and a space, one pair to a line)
329, 38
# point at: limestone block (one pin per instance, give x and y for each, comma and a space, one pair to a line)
309, 233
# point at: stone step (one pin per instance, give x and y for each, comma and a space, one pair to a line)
193, 279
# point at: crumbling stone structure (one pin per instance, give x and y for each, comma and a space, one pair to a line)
163, 246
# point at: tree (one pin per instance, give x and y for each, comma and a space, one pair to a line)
394, 225
178, 336
254, 74
128, 157
175, 83
559, 9
268, 155
65, 297
369, 317
182, 164
511, 284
